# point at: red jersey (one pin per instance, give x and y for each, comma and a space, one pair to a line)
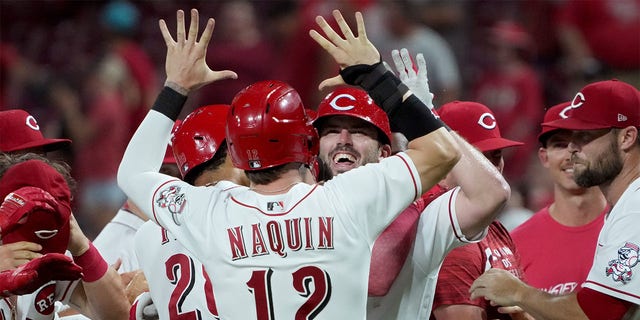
465, 264
556, 258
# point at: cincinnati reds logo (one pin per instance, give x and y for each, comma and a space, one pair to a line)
577, 102
45, 299
334, 102
32, 123
490, 124
173, 200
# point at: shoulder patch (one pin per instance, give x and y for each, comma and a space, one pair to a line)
171, 199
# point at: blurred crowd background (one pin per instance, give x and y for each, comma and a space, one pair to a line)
89, 70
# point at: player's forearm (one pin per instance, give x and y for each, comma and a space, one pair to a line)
147, 146
478, 203
544, 306
434, 155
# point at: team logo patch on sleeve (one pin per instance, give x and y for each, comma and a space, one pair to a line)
620, 269
172, 199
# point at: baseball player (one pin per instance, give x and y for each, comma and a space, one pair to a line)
407, 255
101, 289
574, 219
21, 133
201, 153
31, 213
280, 248
604, 118
476, 123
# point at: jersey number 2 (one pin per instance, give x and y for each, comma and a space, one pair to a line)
260, 286
180, 271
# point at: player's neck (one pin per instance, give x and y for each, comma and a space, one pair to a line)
280, 186
575, 210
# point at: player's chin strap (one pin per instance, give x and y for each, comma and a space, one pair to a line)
409, 116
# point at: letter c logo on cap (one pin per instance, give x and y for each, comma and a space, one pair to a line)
577, 102
487, 124
334, 102
32, 123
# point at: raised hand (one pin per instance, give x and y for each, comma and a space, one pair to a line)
348, 49
417, 82
185, 64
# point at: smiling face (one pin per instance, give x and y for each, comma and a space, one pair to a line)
556, 157
347, 142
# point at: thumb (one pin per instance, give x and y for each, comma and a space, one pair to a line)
331, 82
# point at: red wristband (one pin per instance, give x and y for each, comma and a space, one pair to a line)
92, 263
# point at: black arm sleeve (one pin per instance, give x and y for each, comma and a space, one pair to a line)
169, 103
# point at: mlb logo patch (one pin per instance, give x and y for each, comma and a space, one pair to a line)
275, 206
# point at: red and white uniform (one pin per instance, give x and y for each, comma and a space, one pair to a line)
300, 254
177, 282
114, 241
411, 294
41, 304
559, 261
615, 270
465, 264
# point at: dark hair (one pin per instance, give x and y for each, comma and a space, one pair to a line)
9, 160
209, 165
271, 174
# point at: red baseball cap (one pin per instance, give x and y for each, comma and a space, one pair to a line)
476, 123
19, 131
551, 114
601, 105
40, 225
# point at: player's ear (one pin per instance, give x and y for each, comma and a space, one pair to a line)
544, 158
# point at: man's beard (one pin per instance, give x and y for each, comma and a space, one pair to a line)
603, 169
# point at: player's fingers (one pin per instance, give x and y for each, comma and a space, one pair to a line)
402, 73
331, 82
24, 245
509, 310
168, 39
116, 265
322, 41
362, 32
408, 63
225, 74
193, 26
180, 36
422, 66
342, 24
328, 31
26, 255
208, 31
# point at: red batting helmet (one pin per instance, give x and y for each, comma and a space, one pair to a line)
38, 196
350, 101
199, 136
267, 126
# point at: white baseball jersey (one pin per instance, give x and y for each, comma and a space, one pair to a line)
298, 255
6, 309
40, 305
411, 294
177, 281
616, 266
116, 238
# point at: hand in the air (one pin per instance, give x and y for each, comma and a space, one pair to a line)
417, 82
348, 49
185, 64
